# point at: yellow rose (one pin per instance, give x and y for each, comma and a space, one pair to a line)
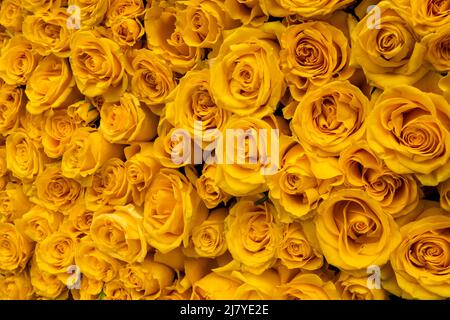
296, 250
86, 153
192, 101
83, 113
127, 31
310, 286
95, 264
78, 221
148, 280
4, 36
58, 129
16, 249
12, 104
408, 130
425, 16
151, 79
23, 156
11, 15
171, 209
55, 254
351, 287
398, 194
13, 202
92, 12
302, 181
444, 193
141, 166
354, 232
420, 262
116, 290
202, 22
55, 191
124, 9
245, 76
258, 287
246, 154
109, 186
253, 235
16, 287
127, 121
89, 289
51, 86
214, 286
208, 238
437, 52
41, 5
118, 233
48, 32
38, 223
170, 44
247, 11
207, 188
3, 165
312, 54
32, 124
17, 61
330, 118
98, 65
45, 284
307, 9
389, 52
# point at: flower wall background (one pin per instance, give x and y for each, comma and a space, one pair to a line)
93, 94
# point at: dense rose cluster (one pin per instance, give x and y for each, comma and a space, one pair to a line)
93, 94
